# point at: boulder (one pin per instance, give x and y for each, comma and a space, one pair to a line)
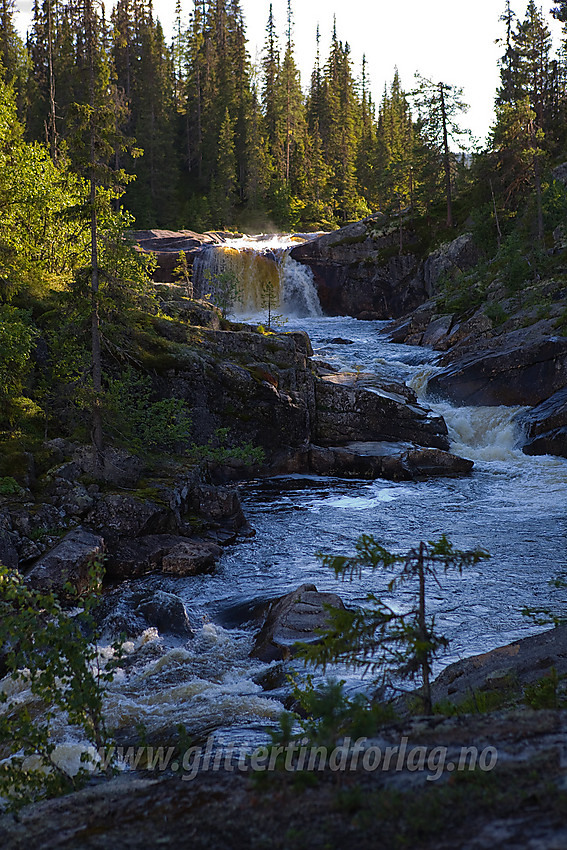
291, 619
166, 612
191, 558
69, 561
545, 426
392, 461
137, 556
351, 413
131, 610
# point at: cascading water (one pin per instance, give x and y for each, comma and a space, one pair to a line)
512, 505
261, 266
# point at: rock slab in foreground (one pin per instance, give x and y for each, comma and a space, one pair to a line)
522, 662
293, 618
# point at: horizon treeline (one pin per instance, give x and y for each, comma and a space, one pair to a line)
215, 142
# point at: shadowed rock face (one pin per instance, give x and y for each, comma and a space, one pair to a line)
520, 370
545, 426
360, 271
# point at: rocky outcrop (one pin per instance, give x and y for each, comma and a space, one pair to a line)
347, 413
360, 271
166, 245
545, 426
525, 366
169, 553
69, 562
291, 619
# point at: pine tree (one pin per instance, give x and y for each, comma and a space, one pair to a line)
439, 104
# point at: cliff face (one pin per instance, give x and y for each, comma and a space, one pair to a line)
361, 271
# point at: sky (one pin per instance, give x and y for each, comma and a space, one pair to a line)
444, 40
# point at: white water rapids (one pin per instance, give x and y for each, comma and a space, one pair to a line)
512, 505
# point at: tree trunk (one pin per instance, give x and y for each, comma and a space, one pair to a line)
97, 432
423, 636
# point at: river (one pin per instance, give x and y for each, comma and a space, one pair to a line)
512, 505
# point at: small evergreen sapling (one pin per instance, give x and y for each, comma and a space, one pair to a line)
377, 638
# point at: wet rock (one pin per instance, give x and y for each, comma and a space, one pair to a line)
293, 618
545, 426
220, 506
191, 558
391, 461
349, 413
131, 610
69, 561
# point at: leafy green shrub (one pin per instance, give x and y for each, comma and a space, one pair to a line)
53, 654
17, 335
141, 424
9, 486
218, 450
496, 313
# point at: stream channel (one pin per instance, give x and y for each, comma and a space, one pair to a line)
512, 505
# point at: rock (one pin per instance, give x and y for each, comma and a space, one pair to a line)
166, 245
292, 618
220, 506
131, 609
137, 556
118, 515
559, 173
392, 461
348, 413
359, 272
545, 426
191, 558
523, 367
8, 553
516, 664
166, 612
437, 332
69, 561
120, 467
449, 259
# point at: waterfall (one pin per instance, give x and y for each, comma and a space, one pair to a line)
259, 265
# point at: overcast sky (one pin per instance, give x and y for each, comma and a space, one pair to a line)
447, 40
